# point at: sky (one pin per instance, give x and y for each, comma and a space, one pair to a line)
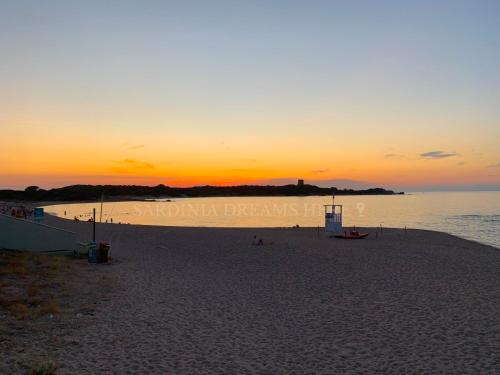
397, 94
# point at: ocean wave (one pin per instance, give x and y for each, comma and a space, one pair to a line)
483, 218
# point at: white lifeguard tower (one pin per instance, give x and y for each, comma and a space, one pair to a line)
333, 217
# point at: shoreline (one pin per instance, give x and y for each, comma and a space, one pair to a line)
371, 230
56, 203
161, 199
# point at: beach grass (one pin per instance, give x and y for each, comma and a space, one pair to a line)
31, 283
47, 367
44, 298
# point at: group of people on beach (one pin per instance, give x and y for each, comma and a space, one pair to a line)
20, 212
260, 242
90, 219
257, 241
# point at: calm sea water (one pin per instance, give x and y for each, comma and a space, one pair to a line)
472, 215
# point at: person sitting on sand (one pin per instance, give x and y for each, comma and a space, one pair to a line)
257, 242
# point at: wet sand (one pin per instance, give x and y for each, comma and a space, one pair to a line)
205, 301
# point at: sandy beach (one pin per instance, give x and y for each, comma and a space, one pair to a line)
205, 301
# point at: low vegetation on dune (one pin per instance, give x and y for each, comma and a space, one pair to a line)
44, 299
48, 367
31, 288
31, 284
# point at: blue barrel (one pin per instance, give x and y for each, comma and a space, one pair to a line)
92, 252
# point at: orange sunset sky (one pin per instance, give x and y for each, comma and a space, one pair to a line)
399, 96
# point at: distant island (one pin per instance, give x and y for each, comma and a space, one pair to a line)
131, 192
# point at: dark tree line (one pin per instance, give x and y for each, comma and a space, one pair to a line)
94, 192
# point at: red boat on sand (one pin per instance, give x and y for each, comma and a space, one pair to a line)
353, 235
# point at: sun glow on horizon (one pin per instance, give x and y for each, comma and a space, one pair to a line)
397, 96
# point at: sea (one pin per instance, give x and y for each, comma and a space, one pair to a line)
470, 215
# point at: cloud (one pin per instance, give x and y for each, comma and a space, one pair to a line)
393, 156
137, 164
129, 146
127, 166
461, 163
135, 147
438, 154
497, 165
320, 171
